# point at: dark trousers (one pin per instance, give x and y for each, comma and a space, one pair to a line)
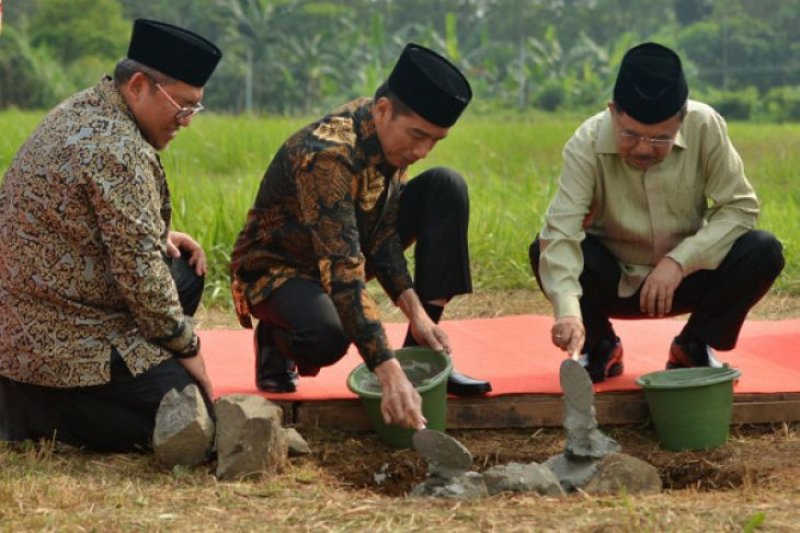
117, 416
299, 318
718, 300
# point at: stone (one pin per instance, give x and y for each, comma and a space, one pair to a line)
466, 486
250, 438
572, 473
620, 471
297, 444
184, 431
518, 477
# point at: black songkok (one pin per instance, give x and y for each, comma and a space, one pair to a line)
430, 85
650, 85
173, 51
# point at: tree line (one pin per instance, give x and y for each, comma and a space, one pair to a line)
305, 56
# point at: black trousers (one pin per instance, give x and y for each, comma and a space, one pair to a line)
299, 318
117, 416
718, 300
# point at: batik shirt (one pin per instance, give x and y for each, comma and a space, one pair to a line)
84, 214
690, 207
326, 211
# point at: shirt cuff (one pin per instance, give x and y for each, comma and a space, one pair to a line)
567, 305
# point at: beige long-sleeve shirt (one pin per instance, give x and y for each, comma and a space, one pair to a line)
691, 206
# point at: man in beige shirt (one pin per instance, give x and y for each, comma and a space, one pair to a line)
653, 217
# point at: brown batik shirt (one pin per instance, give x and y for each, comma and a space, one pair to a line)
84, 215
326, 211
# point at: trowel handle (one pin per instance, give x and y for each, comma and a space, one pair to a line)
574, 355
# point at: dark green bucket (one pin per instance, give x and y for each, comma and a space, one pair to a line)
691, 408
428, 371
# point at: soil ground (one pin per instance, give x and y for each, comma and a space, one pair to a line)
755, 456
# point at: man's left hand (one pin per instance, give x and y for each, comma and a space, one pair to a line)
659, 288
427, 333
177, 242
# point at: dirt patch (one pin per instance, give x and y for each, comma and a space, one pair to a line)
755, 456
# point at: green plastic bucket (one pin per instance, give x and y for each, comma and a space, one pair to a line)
427, 370
691, 408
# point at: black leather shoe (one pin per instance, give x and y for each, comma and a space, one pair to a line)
462, 385
274, 373
605, 361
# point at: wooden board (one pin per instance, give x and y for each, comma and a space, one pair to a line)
531, 411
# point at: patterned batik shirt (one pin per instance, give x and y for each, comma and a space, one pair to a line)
326, 211
84, 215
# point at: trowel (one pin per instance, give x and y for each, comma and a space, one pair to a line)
576, 383
584, 440
442, 450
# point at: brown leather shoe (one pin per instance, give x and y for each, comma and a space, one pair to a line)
690, 354
605, 361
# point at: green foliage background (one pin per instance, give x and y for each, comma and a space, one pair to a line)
294, 57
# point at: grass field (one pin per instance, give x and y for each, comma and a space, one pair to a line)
512, 166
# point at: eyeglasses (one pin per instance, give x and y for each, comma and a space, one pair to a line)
183, 111
634, 138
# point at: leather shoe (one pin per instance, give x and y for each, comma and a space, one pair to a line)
461, 385
605, 361
274, 373
683, 354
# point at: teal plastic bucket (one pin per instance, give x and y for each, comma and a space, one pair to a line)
427, 370
691, 408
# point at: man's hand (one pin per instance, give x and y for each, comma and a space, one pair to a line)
424, 330
568, 334
659, 287
241, 305
196, 367
427, 333
401, 403
177, 241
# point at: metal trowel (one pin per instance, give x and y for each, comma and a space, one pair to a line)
576, 384
442, 450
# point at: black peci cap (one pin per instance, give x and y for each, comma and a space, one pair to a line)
430, 85
650, 86
173, 51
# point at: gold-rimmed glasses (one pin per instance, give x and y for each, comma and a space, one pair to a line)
183, 112
632, 138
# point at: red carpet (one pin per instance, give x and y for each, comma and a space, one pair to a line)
516, 355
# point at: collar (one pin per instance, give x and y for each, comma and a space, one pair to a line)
108, 91
364, 124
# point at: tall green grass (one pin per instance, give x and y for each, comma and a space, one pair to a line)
511, 165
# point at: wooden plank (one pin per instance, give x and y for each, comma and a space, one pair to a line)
537, 410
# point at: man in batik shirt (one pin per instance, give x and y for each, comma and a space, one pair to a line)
334, 209
93, 327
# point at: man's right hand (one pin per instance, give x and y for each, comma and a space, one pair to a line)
401, 403
568, 334
196, 367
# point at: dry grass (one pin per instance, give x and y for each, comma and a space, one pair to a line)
751, 478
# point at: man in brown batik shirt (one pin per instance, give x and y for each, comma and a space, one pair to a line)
334, 209
94, 287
